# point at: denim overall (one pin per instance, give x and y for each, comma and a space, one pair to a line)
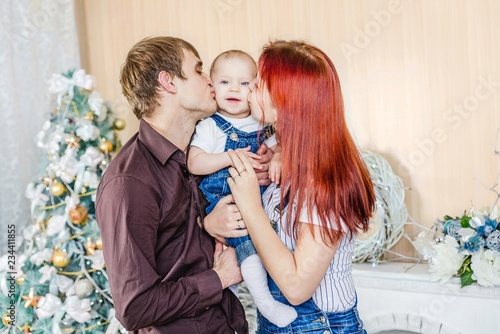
311, 319
215, 186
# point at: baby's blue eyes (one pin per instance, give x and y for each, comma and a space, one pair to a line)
225, 82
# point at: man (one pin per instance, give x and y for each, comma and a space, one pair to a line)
166, 273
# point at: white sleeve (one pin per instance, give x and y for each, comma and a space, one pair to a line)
271, 141
315, 219
205, 135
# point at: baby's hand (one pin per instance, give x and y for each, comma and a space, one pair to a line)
253, 157
275, 168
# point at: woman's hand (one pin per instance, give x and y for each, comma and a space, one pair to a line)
225, 221
243, 183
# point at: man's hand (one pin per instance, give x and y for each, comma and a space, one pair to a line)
263, 173
226, 265
225, 221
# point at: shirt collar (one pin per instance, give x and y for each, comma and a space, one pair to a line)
158, 145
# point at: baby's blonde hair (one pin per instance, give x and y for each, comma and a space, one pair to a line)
233, 54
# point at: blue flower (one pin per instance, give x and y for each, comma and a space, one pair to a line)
474, 243
489, 226
451, 227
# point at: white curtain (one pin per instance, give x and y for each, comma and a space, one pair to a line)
37, 38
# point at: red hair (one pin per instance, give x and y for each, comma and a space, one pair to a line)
322, 167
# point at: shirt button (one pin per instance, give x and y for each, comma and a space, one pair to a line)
322, 319
327, 332
179, 154
207, 307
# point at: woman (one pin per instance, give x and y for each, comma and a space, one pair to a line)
325, 199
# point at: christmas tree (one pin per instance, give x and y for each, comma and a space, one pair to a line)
56, 281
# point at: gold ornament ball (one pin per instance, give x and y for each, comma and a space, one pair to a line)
78, 215
119, 124
57, 189
60, 258
6, 320
106, 146
20, 280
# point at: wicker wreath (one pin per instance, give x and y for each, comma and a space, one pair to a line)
387, 223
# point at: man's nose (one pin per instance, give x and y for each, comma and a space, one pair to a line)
209, 80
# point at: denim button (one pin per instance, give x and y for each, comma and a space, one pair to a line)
327, 332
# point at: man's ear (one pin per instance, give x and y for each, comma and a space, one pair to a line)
166, 81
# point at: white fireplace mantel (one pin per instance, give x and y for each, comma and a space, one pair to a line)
400, 296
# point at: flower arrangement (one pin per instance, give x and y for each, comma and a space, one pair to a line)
469, 248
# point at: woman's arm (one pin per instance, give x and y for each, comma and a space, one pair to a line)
297, 274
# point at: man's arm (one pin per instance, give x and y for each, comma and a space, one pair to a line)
129, 234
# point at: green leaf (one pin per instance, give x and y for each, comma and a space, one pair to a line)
448, 218
466, 279
464, 221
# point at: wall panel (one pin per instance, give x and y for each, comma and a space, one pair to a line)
421, 79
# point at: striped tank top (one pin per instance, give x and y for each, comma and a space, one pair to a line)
336, 291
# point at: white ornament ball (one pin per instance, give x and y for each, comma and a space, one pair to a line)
84, 288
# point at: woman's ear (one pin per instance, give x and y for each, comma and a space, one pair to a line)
166, 82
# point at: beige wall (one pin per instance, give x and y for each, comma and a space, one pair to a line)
421, 79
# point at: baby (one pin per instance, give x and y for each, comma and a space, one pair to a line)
233, 127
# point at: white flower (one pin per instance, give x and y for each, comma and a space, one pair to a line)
47, 273
446, 261
56, 224
64, 283
423, 244
96, 103
39, 257
41, 241
29, 232
36, 195
78, 309
86, 130
92, 157
41, 135
485, 266
47, 306
90, 179
56, 137
466, 233
66, 167
19, 264
82, 80
97, 260
71, 202
58, 83
475, 222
